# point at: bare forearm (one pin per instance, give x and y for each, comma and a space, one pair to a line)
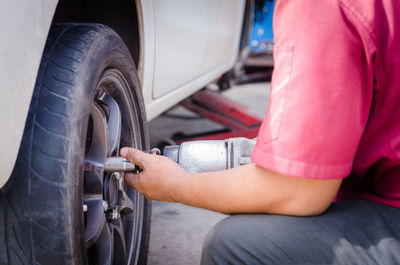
245, 189
251, 189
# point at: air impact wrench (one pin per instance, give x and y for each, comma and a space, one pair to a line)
197, 156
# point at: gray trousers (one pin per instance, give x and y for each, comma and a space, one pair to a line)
352, 232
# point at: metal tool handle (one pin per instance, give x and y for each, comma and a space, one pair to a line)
211, 155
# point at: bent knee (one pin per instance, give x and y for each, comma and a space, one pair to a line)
258, 239
241, 239
220, 242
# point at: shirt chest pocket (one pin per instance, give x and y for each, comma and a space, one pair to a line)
283, 61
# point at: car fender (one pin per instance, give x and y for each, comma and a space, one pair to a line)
25, 25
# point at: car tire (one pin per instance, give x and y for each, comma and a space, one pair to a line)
59, 206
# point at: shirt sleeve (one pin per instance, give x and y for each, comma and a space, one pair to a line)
320, 92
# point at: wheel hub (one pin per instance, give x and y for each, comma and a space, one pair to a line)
110, 192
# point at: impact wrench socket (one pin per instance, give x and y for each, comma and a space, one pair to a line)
198, 156
120, 164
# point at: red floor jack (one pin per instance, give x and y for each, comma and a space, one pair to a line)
231, 114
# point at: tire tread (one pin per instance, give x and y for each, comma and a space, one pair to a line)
17, 222
30, 229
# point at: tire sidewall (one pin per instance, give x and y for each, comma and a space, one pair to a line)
107, 51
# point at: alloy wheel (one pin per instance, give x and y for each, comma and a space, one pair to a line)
112, 209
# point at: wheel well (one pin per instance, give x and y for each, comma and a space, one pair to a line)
122, 16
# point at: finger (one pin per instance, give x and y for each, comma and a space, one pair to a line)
131, 179
156, 151
135, 156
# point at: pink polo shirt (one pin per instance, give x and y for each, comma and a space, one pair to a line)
334, 108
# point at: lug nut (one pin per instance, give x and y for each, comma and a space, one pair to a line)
105, 205
115, 214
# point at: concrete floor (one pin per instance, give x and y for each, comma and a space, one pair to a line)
178, 231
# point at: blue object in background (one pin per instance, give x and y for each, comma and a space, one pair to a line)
261, 38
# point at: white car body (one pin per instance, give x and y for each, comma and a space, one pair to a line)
186, 44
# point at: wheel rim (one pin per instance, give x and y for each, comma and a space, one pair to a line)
112, 210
